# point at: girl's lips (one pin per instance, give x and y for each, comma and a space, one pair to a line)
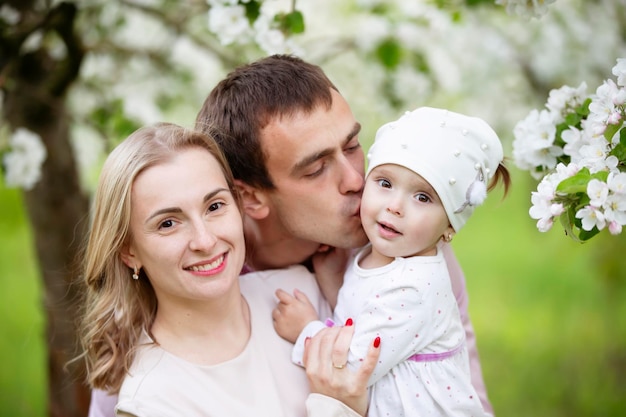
387, 230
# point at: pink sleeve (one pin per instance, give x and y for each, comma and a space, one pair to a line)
102, 404
457, 278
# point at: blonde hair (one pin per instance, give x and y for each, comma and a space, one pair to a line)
117, 308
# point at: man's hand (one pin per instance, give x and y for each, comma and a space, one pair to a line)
292, 314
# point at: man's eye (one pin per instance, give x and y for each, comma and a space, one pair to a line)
353, 148
316, 173
384, 183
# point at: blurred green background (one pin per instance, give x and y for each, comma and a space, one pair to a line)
551, 331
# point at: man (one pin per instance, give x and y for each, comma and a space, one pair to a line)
292, 143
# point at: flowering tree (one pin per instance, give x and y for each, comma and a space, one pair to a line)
577, 146
59, 68
76, 77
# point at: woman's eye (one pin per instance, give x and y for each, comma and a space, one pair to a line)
166, 224
215, 206
384, 183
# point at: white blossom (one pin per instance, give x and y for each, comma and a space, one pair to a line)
229, 23
574, 139
617, 183
591, 217
597, 191
23, 162
526, 8
534, 142
615, 228
561, 101
272, 40
602, 109
619, 71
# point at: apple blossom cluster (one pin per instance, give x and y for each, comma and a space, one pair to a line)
230, 21
526, 8
22, 164
577, 147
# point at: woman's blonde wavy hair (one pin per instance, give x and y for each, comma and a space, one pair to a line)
116, 308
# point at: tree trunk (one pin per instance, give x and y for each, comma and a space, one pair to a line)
35, 90
58, 212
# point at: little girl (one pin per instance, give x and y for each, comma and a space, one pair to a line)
427, 172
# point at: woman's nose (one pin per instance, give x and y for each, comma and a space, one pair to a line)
202, 239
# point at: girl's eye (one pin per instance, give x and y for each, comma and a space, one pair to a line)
384, 183
423, 198
215, 206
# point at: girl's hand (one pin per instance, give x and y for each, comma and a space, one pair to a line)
292, 314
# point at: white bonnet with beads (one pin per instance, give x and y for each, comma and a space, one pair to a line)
456, 154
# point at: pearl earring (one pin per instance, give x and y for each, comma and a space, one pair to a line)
135, 273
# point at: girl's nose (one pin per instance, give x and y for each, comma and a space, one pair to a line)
395, 207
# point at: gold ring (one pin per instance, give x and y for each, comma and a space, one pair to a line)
339, 366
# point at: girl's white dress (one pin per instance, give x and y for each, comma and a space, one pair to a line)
423, 368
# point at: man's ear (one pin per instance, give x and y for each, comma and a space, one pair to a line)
255, 201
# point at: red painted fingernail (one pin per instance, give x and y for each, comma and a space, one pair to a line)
377, 341
349, 322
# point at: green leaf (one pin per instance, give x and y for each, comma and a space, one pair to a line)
611, 130
294, 22
600, 175
576, 183
253, 10
573, 119
586, 235
619, 150
389, 53
568, 225
583, 110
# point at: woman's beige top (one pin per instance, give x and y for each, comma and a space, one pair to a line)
261, 381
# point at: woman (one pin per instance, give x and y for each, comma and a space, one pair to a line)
167, 321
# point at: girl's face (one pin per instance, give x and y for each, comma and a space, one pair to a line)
186, 229
401, 213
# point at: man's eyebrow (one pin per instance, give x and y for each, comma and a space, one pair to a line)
356, 129
325, 152
171, 210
